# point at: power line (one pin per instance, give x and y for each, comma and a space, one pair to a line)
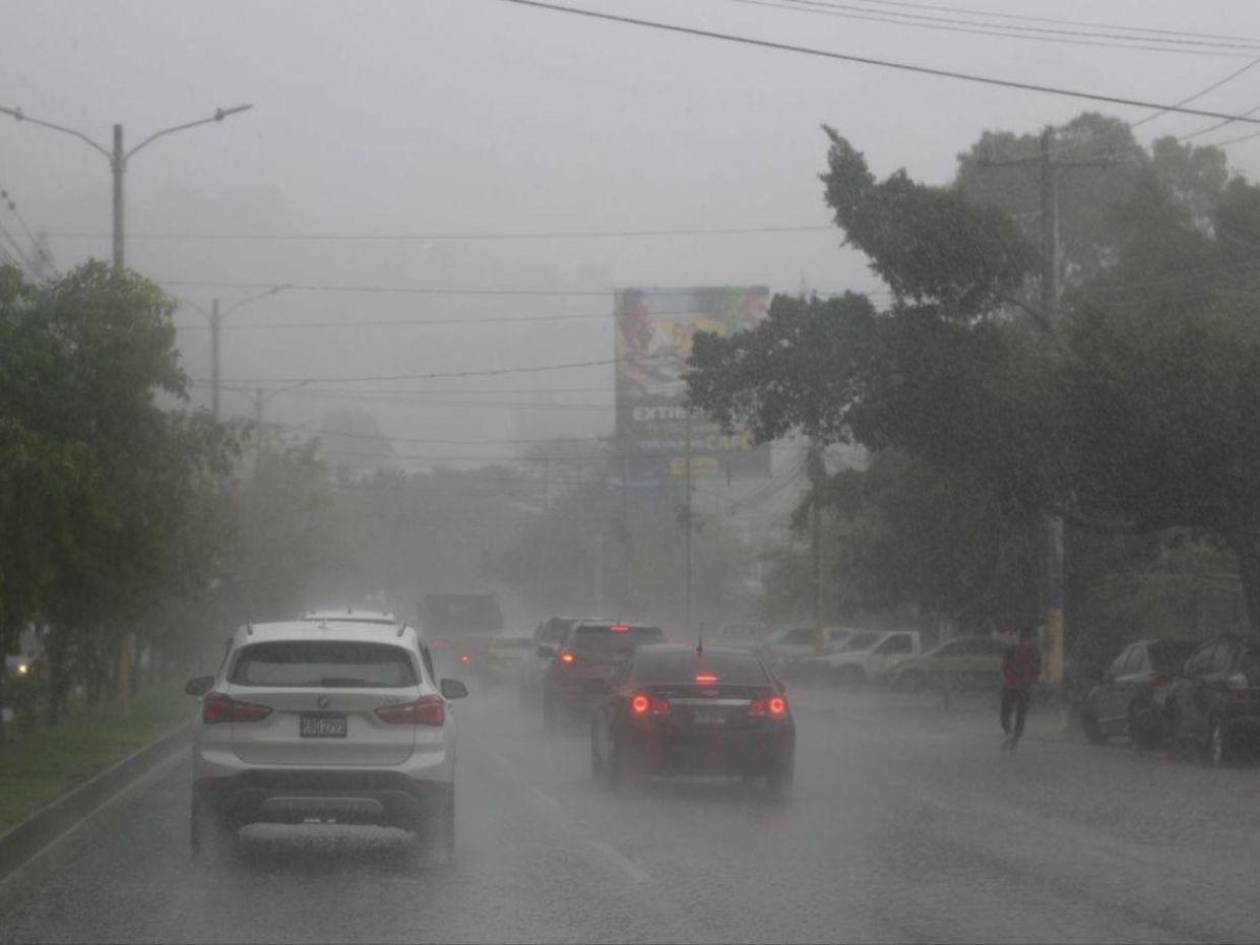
869, 61
381, 437
399, 322
41, 253
433, 375
1199, 94
381, 289
456, 237
1059, 21
980, 28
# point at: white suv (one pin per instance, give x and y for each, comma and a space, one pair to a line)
334, 722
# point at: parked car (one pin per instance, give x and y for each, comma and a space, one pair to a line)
328, 723
785, 649
678, 710
1214, 705
973, 662
578, 675
1130, 702
745, 636
865, 656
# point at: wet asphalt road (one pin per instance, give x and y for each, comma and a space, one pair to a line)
906, 824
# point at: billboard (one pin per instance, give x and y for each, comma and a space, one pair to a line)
654, 331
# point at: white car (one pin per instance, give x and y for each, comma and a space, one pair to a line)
323, 722
786, 649
866, 655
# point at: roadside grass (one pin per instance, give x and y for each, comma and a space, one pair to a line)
39, 765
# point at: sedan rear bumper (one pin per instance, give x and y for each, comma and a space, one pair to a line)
717, 752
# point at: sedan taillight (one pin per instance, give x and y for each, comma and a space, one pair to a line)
217, 708
427, 710
775, 707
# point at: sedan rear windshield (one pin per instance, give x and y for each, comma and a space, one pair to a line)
325, 664
682, 667
601, 639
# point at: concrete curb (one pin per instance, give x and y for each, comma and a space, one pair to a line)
32, 835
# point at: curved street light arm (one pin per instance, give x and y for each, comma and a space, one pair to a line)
218, 115
22, 116
274, 290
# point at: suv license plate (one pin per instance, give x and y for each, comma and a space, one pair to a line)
709, 717
323, 726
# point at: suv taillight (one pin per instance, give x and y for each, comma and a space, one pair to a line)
427, 710
567, 658
775, 707
216, 708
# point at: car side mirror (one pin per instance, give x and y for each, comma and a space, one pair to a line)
545, 651
199, 685
453, 689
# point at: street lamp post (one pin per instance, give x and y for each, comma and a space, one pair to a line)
118, 158
216, 316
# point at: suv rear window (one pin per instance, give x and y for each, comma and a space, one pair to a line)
325, 664
682, 667
554, 630
601, 639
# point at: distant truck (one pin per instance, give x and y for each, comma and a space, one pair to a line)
458, 628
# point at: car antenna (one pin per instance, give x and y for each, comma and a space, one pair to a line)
401, 628
700, 644
249, 628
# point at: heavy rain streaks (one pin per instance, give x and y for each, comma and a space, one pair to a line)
750, 470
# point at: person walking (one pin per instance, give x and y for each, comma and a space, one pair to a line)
1021, 665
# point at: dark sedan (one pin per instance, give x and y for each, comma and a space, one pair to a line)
1214, 706
677, 710
1130, 701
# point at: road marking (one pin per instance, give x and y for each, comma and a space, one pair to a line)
632, 870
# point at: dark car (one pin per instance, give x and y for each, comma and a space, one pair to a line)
1130, 701
674, 709
1214, 705
578, 674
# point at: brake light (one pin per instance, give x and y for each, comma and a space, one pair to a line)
620, 628
465, 657
641, 704
427, 710
706, 679
217, 708
775, 707
566, 657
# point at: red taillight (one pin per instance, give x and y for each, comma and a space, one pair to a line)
465, 657
641, 704
427, 710
775, 707
620, 628
567, 657
216, 708
439, 644
705, 679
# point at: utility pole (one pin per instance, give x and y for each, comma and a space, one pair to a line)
625, 528
816, 472
215, 322
1053, 555
687, 556
1052, 524
118, 167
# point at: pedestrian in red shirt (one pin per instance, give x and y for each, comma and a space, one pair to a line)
1020, 667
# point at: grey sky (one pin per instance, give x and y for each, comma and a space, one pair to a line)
472, 116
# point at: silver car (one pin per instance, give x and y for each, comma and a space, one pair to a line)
323, 723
